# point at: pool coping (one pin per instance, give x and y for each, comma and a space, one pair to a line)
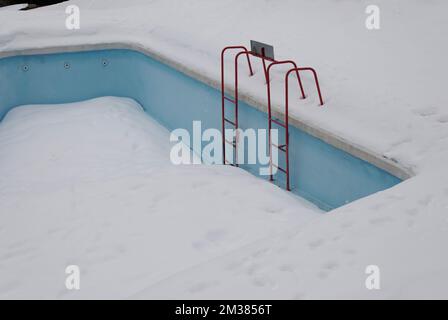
389, 165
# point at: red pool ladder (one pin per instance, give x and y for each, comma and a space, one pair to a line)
259, 50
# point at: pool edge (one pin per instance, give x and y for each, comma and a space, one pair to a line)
378, 160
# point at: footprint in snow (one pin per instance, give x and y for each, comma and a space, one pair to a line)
426, 112
322, 274
260, 253
443, 118
253, 269
9, 286
216, 235
380, 220
263, 282
350, 252
201, 286
137, 186
346, 224
330, 265
412, 212
425, 201
316, 244
287, 267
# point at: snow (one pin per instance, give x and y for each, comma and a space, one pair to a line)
384, 90
91, 184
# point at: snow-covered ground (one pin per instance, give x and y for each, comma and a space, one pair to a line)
384, 90
91, 184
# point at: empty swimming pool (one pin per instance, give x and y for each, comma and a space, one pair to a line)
320, 172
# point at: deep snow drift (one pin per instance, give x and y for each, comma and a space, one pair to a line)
92, 184
384, 90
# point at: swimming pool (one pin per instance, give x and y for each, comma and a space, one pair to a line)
319, 172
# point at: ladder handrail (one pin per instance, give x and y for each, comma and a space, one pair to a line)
316, 80
248, 53
223, 98
273, 62
286, 150
295, 66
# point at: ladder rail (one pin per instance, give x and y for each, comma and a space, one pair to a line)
237, 56
282, 147
297, 73
316, 81
224, 98
286, 126
296, 70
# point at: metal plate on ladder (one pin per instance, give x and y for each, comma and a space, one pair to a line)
257, 47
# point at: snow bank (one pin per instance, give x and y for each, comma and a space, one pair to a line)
91, 184
403, 231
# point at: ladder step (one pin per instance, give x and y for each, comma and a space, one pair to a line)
281, 169
231, 122
231, 100
278, 123
233, 143
281, 147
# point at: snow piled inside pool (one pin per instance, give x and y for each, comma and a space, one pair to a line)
91, 184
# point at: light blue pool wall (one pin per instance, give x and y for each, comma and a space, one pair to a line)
320, 173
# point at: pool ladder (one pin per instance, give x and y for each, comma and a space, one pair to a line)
242, 50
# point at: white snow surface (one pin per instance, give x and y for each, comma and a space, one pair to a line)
384, 90
91, 184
